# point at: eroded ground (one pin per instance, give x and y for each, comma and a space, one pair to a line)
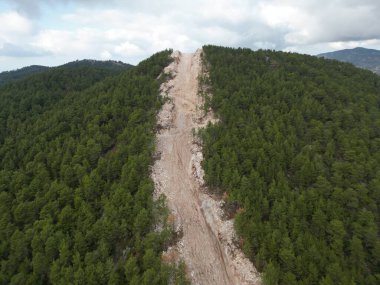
207, 245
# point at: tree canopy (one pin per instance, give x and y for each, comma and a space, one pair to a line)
76, 203
297, 149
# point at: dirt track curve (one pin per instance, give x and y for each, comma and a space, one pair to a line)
209, 258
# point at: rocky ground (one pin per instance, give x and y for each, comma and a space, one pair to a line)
208, 242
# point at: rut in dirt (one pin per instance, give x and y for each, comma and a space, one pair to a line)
208, 260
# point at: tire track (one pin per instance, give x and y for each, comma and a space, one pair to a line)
206, 257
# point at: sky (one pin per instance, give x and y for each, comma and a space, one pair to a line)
53, 32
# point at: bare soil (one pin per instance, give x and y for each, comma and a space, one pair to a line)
208, 242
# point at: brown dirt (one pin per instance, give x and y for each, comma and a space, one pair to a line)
208, 243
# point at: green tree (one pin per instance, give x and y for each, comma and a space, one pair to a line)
271, 275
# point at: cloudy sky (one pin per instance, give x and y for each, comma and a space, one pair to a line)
52, 32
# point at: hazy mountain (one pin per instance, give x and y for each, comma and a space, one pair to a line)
24, 72
111, 65
360, 57
107, 64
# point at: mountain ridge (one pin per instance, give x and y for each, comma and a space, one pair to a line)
359, 56
27, 71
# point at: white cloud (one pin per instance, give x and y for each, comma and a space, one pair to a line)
352, 44
11, 50
13, 26
127, 35
132, 30
313, 22
128, 49
105, 55
57, 41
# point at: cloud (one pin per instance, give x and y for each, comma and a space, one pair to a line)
105, 55
132, 30
33, 8
67, 42
127, 48
14, 26
353, 44
110, 32
12, 50
312, 22
14, 29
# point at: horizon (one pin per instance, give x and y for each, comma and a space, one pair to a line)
43, 33
115, 60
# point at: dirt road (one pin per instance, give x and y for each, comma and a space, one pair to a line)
203, 250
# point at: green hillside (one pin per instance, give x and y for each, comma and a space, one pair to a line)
25, 72
105, 64
76, 197
9, 76
297, 149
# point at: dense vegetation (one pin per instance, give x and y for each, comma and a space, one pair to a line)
8, 76
25, 72
76, 197
298, 151
104, 64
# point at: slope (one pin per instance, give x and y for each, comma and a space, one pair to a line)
103, 64
34, 95
208, 259
75, 201
360, 57
8, 76
297, 151
110, 66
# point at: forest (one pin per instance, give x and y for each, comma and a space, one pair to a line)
296, 153
8, 76
76, 203
25, 72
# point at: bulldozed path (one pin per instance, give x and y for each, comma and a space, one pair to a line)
207, 259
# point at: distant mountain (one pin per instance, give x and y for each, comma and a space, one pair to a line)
360, 57
110, 65
107, 64
8, 76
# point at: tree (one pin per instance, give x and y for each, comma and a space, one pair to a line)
271, 275
131, 269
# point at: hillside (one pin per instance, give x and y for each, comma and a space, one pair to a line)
296, 153
76, 202
360, 57
25, 72
8, 76
205, 242
289, 155
106, 64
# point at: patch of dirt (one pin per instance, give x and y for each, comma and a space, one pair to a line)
208, 242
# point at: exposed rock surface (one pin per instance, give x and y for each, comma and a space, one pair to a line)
208, 242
